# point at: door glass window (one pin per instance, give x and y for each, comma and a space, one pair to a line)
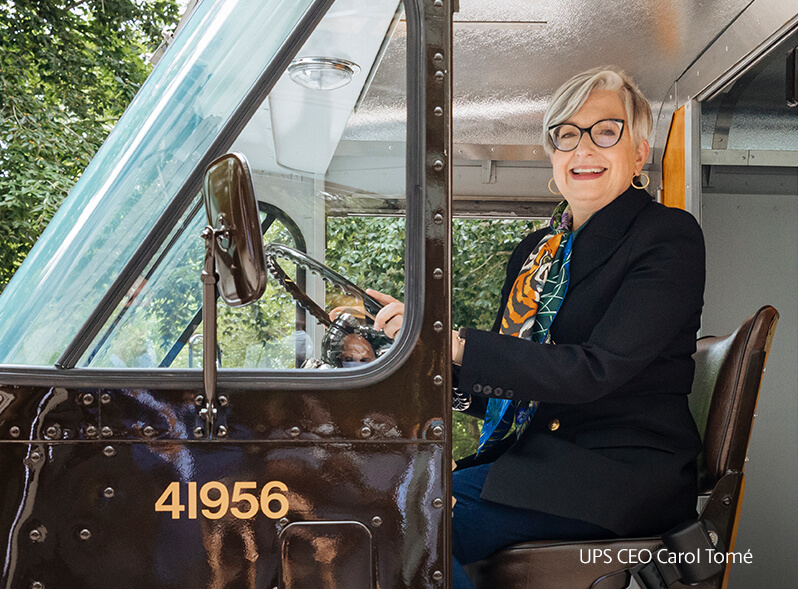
326, 150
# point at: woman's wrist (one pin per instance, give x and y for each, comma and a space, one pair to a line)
459, 348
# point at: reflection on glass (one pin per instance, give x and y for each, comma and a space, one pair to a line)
156, 145
323, 189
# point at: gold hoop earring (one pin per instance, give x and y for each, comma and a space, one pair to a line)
648, 180
551, 189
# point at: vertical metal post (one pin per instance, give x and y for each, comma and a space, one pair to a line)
209, 323
692, 158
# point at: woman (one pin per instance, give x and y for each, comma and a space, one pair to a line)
583, 380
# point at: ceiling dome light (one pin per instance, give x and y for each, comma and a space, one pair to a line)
322, 73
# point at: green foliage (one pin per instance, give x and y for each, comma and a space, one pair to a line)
370, 251
67, 72
480, 251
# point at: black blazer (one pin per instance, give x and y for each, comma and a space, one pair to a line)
613, 441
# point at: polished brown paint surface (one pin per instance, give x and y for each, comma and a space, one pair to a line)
390, 485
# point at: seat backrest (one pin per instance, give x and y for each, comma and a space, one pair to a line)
725, 390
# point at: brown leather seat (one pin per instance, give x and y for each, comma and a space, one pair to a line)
723, 400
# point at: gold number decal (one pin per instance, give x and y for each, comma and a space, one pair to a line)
223, 501
171, 494
215, 497
266, 498
192, 500
248, 497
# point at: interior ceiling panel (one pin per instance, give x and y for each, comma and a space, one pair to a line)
504, 75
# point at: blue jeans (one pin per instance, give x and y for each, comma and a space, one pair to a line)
480, 527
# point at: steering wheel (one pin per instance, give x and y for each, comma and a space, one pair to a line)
347, 341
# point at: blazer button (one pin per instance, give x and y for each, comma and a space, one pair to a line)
554, 425
487, 389
477, 388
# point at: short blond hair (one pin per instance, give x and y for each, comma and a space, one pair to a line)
570, 97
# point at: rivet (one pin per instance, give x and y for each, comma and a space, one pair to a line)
437, 165
284, 521
437, 379
109, 451
437, 273
438, 219
198, 433
438, 57
84, 534
88, 399
223, 401
294, 432
199, 400
437, 431
35, 456
37, 585
203, 413
376, 521
438, 111
149, 431
437, 326
439, 75
14, 431
726, 500
438, 3
107, 432
91, 431
53, 431
222, 431
437, 575
365, 431
437, 503
105, 398
714, 537
108, 492
35, 535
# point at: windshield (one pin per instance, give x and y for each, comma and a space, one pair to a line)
152, 151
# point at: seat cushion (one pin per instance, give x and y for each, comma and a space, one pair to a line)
557, 564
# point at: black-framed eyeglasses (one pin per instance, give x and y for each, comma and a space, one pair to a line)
604, 133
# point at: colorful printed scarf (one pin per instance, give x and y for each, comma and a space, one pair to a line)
534, 300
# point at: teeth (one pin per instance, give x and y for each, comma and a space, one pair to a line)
588, 170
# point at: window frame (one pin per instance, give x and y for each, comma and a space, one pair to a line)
64, 373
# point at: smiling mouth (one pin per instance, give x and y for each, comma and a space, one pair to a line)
588, 172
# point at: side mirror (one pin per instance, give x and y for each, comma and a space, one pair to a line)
234, 260
232, 213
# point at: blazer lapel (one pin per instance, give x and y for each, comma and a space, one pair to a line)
604, 232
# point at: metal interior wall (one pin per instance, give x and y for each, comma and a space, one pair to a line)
752, 260
748, 213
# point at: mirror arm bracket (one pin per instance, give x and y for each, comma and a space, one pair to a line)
209, 281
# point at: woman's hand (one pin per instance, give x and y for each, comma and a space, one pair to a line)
391, 316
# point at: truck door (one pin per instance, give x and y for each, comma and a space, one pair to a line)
116, 469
